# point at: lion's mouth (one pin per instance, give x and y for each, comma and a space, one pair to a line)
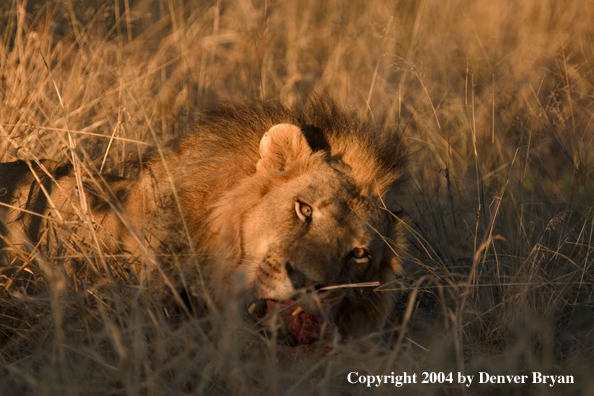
304, 327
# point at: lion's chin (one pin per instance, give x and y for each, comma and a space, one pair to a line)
302, 326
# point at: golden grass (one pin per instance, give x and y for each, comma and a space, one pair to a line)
494, 99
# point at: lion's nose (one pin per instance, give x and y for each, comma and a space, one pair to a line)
300, 280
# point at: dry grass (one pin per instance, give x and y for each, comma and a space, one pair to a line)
495, 100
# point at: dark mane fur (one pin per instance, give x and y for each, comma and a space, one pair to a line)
375, 154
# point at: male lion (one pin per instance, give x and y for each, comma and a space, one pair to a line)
288, 208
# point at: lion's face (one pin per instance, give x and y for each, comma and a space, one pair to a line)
310, 230
314, 231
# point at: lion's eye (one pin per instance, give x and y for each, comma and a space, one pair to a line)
360, 255
303, 210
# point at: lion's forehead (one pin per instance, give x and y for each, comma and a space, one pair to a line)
343, 196
359, 223
346, 209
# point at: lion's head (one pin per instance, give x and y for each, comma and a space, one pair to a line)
310, 229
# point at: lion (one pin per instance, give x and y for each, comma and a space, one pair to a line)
288, 213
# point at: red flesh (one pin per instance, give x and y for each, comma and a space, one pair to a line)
304, 327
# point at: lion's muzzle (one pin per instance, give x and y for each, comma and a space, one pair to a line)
300, 280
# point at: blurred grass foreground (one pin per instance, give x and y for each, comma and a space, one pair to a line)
494, 99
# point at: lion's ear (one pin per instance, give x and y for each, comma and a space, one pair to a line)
281, 146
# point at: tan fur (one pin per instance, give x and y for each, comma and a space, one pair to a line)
235, 189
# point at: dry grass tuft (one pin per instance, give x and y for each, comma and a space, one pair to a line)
494, 99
